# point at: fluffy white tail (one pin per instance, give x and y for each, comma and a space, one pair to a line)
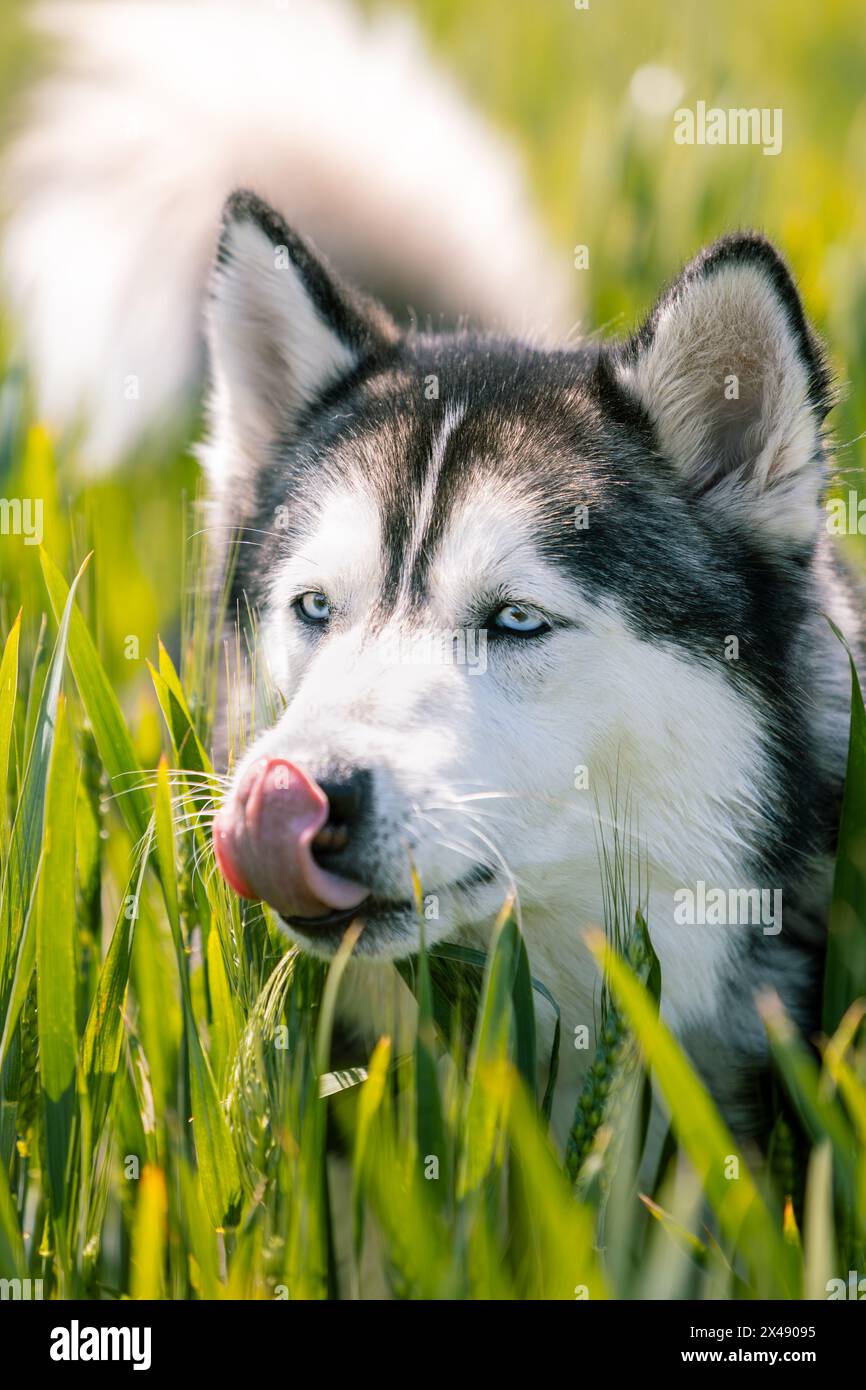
160, 107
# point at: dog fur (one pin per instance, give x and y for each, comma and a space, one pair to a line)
642, 507
151, 111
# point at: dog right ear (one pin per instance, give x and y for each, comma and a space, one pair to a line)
736, 387
281, 330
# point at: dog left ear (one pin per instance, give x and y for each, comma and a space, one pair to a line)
282, 329
736, 386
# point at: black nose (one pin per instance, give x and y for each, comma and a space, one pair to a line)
349, 793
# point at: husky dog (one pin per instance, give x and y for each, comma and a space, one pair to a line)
632, 535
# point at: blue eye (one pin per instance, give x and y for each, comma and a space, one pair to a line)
517, 619
313, 607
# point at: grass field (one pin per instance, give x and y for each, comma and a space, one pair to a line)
167, 1088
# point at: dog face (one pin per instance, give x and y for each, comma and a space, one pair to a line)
505, 591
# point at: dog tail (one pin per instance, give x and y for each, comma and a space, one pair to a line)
158, 108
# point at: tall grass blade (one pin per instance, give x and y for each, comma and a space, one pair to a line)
821, 1258
217, 1161
744, 1218
8, 694
494, 1028
845, 968
103, 710
149, 1235
13, 1260
56, 973
26, 842
103, 1033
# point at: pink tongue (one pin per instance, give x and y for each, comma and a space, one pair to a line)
263, 839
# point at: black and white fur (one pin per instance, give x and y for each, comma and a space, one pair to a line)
705, 521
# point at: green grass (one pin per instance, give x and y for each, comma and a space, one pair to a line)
167, 1083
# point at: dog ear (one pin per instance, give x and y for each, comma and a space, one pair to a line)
735, 384
281, 329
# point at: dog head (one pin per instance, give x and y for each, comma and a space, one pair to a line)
493, 583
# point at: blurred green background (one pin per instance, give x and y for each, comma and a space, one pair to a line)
587, 96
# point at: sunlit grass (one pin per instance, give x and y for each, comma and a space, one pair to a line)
168, 1083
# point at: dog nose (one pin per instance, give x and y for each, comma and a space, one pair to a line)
264, 838
349, 795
